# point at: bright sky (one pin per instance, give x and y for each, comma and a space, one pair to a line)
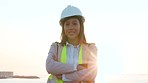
118, 27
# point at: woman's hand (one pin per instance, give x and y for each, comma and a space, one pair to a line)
59, 76
81, 66
55, 58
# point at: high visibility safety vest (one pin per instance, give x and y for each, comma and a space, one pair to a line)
64, 58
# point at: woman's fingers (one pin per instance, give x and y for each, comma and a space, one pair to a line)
55, 57
59, 76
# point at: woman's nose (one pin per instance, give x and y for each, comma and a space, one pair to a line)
71, 26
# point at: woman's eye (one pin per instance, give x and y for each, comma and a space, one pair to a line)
67, 24
74, 23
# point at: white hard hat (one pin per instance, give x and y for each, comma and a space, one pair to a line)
71, 11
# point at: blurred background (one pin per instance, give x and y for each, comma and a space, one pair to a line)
118, 27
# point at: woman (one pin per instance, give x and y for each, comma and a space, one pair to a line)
73, 60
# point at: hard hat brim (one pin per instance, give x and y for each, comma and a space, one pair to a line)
75, 16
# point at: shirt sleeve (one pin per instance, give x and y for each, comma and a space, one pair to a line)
55, 67
88, 74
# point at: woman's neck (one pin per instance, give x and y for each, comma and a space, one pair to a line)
73, 41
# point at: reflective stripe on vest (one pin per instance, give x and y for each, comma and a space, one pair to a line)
63, 60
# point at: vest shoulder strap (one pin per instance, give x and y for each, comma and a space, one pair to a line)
57, 47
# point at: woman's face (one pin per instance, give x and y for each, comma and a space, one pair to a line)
72, 28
